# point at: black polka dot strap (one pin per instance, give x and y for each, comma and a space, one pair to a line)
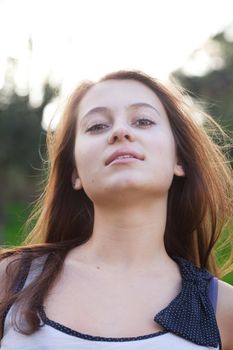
191, 314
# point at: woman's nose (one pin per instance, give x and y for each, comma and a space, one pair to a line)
121, 134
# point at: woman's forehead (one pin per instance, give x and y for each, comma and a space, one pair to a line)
116, 94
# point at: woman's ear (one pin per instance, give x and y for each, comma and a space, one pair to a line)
179, 170
76, 182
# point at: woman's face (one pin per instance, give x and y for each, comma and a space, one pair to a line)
124, 116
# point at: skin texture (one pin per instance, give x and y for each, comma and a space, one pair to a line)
153, 141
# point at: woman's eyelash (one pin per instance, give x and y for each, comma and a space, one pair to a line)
98, 126
146, 120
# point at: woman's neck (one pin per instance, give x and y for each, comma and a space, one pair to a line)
128, 238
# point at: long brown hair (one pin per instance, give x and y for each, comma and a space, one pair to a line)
199, 204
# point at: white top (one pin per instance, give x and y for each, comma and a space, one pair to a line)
53, 336
49, 338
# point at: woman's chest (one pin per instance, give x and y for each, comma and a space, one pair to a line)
109, 307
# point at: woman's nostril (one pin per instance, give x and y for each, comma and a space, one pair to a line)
121, 134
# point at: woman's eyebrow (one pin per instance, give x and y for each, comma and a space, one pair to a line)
143, 104
102, 109
96, 110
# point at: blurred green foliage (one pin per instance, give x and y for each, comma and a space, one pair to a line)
223, 249
23, 146
214, 89
16, 216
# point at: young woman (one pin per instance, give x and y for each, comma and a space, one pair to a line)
121, 253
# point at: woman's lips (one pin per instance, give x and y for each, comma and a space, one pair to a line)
124, 154
124, 160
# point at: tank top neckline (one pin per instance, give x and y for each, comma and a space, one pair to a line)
175, 316
60, 327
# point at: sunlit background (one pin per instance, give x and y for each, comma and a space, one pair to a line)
47, 47
63, 42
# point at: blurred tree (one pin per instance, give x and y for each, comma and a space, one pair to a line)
22, 142
214, 83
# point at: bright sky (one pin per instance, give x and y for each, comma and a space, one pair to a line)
85, 39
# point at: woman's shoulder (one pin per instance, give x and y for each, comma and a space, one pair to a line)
225, 314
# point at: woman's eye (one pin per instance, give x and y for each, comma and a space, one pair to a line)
97, 127
144, 122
